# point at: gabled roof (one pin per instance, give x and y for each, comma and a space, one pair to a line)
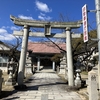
45, 47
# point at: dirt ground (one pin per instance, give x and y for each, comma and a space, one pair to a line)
5, 87
82, 91
6, 90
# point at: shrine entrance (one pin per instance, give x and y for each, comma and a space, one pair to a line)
27, 24
46, 62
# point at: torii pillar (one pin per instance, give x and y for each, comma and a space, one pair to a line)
23, 55
69, 57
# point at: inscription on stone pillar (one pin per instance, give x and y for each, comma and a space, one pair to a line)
93, 78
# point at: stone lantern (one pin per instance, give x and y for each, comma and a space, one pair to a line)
12, 65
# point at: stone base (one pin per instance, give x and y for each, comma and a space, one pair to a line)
20, 87
78, 83
28, 70
72, 88
62, 71
10, 82
66, 76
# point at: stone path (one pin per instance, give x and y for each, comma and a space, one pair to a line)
44, 83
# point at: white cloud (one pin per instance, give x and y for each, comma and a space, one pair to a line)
14, 28
42, 14
29, 40
4, 35
42, 6
25, 17
3, 31
59, 40
10, 27
3, 27
41, 17
44, 17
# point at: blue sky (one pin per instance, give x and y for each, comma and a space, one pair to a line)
41, 10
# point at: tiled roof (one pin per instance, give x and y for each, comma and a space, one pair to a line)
45, 47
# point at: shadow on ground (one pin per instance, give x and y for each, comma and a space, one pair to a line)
6, 94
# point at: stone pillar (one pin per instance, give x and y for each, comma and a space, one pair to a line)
97, 6
53, 66
69, 57
23, 55
1, 80
92, 85
38, 64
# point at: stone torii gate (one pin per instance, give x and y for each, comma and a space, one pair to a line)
47, 33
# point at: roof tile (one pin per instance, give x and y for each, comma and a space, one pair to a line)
45, 47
